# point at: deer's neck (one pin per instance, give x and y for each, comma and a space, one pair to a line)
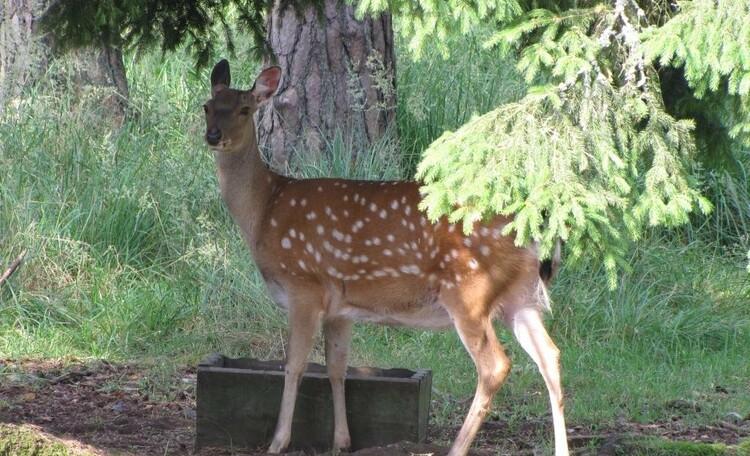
247, 187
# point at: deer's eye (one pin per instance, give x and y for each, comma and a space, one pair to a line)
245, 111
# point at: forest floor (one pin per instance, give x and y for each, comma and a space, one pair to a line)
98, 408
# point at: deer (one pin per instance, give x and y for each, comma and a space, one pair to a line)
334, 251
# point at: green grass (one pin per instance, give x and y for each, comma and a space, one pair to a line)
661, 447
132, 256
23, 441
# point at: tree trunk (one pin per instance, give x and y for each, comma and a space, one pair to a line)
103, 67
338, 78
25, 56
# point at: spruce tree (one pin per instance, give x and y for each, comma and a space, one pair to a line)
591, 155
206, 25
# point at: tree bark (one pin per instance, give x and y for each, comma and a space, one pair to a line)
25, 55
103, 66
338, 78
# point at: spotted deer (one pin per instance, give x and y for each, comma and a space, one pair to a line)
334, 251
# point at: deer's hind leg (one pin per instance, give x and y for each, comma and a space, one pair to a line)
528, 327
479, 338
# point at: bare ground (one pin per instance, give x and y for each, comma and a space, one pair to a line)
111, 409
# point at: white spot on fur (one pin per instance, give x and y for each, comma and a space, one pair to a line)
410, 269
286, 243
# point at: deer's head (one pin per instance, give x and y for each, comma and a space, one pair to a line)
229, 112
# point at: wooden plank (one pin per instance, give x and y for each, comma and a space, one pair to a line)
238, 403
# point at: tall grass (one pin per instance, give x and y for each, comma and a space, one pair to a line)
132, 255
438, 94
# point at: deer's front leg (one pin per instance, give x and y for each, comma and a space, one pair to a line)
338, 334
303, 325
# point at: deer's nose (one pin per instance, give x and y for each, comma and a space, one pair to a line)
213, 136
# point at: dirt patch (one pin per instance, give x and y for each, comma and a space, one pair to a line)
122, 410
99, 404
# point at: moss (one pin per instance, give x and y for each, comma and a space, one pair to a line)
24, 441
651, 446
743, 449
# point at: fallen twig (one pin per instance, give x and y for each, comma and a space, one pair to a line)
13, 266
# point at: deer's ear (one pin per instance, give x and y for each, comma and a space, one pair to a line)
220, 77
266, 83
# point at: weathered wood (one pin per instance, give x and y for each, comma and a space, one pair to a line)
238, 404
13, 266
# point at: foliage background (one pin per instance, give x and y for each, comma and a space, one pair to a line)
132, 256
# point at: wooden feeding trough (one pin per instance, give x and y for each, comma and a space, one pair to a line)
238, 403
